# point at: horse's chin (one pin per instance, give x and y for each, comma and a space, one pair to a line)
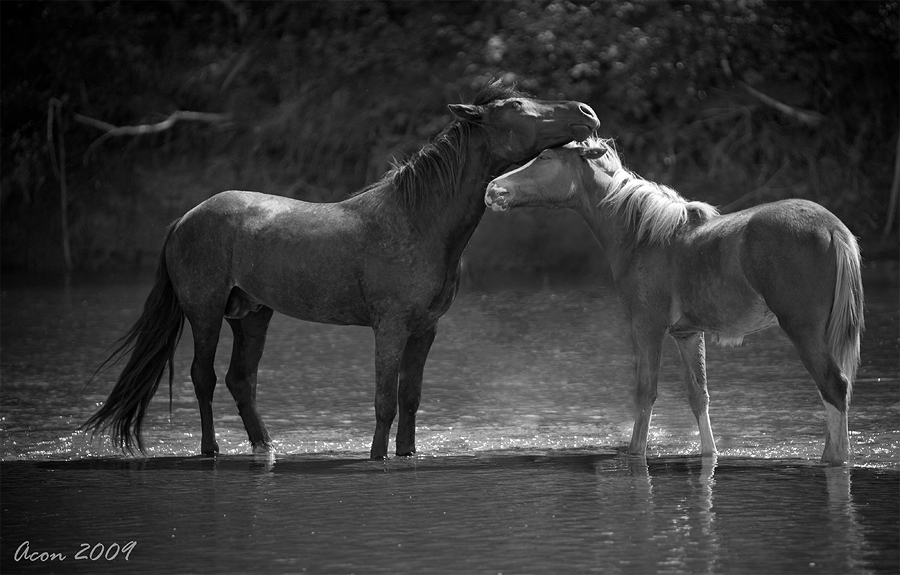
580, 132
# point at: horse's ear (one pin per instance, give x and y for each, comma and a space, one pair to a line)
466, 111
592, 153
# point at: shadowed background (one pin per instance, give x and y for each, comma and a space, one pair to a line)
735, 103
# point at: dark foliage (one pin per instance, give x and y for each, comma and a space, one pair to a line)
324, 96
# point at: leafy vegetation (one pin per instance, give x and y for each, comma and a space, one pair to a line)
735, 102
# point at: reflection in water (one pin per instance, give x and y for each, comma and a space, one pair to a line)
680, 530
842, 519
562, 511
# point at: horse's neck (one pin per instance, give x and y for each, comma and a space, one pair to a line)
449, 209
462, 209
606, 223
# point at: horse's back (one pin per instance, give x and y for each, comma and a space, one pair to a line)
236, 228
300, 258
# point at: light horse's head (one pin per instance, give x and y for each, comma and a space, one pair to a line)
556, 178
518, 127
589, 176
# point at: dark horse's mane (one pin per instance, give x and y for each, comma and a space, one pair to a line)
440, 163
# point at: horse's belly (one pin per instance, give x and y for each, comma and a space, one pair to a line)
331, 301
734, 334
726, 325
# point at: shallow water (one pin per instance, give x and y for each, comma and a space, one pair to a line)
525, 413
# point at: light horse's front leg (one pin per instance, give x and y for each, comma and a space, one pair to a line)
692, 348
412, 368
647, 338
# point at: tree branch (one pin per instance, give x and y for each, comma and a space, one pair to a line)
141, 129
807, 117
803, 116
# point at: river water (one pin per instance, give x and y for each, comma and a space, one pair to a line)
526, 411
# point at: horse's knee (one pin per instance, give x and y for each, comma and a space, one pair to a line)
699, 400
409, 403
645, 397
385, 410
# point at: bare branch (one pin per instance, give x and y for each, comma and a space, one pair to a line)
807, 117
141, 129
803, 116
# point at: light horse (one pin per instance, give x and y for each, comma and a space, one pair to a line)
387, 257
682, 268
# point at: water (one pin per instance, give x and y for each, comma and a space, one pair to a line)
525, 414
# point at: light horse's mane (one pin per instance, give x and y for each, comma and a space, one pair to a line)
653, 210
439, 165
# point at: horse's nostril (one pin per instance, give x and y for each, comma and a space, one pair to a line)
588, 111
496, 191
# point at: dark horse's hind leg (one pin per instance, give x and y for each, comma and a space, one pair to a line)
412, 367
249, 341
203, 375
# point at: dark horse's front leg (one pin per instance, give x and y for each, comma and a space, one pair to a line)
389, 344
412, 367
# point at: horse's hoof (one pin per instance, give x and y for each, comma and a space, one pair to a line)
374, 457
836, 462
409, 453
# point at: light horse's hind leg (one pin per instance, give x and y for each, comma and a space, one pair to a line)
412, 367
692, 348
833, 386
249, 341
803, 308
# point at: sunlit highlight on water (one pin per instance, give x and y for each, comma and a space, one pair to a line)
508, 372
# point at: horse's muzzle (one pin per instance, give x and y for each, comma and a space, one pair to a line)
582, 131
497, 197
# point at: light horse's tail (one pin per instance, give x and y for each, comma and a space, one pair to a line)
846, 323
152, 341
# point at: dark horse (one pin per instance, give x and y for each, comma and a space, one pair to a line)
681, 268
387, 257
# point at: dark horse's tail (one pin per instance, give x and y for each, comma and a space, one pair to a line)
151, 341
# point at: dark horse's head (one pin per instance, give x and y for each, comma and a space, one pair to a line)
518, 126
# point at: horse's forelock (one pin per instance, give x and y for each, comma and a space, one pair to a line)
610, 161
496, 90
